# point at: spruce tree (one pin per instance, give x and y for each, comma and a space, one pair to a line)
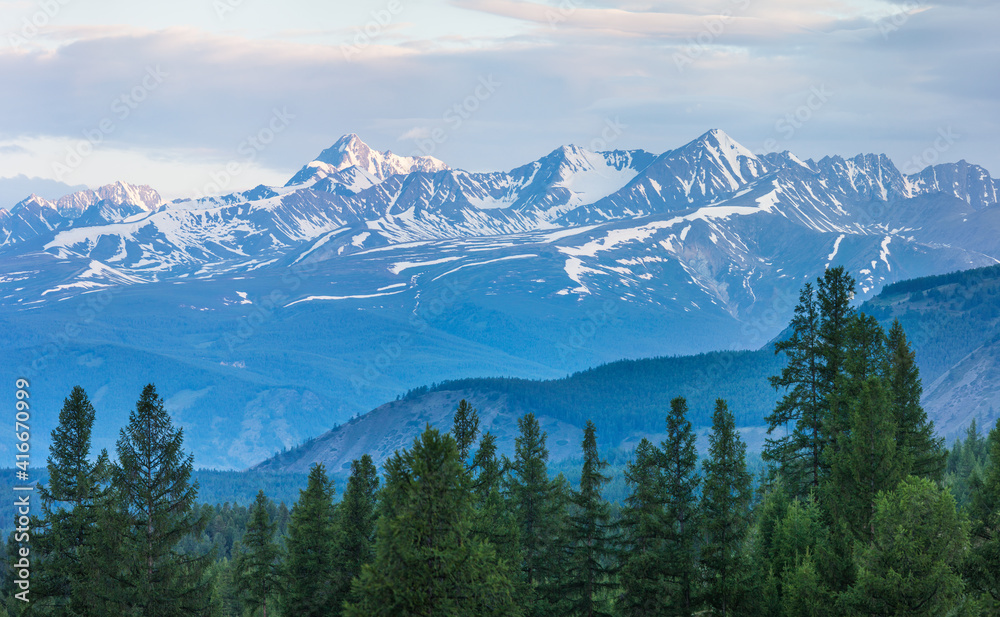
680, 475
427, 563
915, 432
725, 511
356, 518
834, 294
591, 534
155, 496
308, 588
256, 572
910, 565
801, 411
643, 526
982, 568
530, 493
465, 428
63, 581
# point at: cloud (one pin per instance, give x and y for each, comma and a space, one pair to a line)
892, 87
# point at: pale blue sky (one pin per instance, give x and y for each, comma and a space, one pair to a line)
169, 96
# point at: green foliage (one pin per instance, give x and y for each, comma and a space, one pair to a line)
427, 562
915, 437
798, 451
308, 588
465, 428
725, 511
983, 566
355, 517
910, 566
643, 526
591, 558
65, 535
256, 573
150, 514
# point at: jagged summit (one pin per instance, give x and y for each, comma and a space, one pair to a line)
349, 151
73, 205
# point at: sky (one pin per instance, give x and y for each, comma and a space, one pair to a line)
191, 95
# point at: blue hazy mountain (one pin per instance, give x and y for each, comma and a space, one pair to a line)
268, 316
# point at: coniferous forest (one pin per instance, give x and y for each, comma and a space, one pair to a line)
861, 511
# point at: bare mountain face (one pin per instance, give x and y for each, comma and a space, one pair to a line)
369, 273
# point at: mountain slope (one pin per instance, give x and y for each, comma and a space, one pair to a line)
389, 272
953, 322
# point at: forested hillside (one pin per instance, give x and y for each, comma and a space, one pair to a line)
862, 511
953, 322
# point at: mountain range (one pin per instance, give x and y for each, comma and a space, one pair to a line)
267, 316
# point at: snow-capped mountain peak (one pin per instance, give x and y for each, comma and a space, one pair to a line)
349, 151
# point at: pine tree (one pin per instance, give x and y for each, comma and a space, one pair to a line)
680, 474
256, 568
63, 580
427, 562
982, 568
591, 536
915, 432
356, 517
155, 497
465, 428
725, 508
798, 453
308, 588
910, 565
643, 525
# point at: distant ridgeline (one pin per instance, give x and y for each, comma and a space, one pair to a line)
951, 320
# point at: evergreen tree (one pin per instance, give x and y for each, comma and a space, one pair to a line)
308, 588
427, 562
801, 411
590, 573
643, 526
982, 568
915, 432
493, 520
680, 475
256, 568
65, 537
155, 497
725, 511
834, 293
356, 518
909, 568
530, 493
465, 428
